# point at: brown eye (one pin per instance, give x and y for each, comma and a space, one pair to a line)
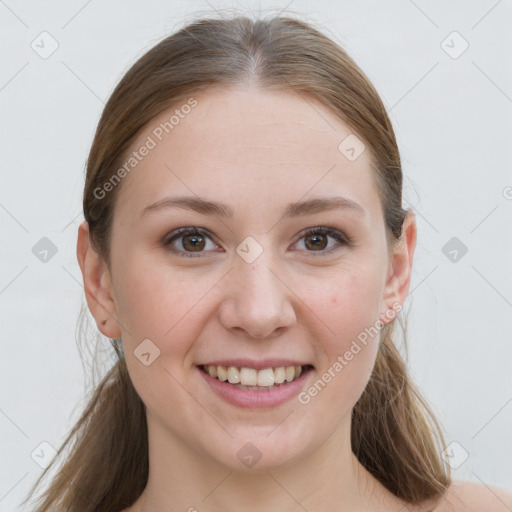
317, 240
188, 242
193, 242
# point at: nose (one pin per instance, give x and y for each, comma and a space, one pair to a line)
257, 300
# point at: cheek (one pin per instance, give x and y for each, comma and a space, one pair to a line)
160, 303
348, 305
167, 308
349, 358
351, 313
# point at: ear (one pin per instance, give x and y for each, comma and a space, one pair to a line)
97, 284
400, 266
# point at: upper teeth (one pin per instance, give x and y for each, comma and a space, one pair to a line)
253, 377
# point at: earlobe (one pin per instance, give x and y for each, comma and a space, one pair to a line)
97, 284
399, 278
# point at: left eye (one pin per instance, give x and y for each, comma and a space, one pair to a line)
317, 238
193, 241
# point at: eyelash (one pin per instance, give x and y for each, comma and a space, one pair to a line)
320, 230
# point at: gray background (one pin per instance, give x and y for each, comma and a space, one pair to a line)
452, 116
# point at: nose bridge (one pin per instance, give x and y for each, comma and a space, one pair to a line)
253, 263
257, 300
257, 281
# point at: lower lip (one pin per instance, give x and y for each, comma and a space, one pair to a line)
256, 399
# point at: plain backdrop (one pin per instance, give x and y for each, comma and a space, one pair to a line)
443, 71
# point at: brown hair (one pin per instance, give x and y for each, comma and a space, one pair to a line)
394, 433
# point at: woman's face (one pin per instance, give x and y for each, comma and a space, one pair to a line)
255, 288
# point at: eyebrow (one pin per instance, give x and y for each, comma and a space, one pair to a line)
206, 207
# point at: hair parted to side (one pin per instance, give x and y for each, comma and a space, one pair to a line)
394, 434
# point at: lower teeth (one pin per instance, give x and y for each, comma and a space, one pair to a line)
254, 388
257, 388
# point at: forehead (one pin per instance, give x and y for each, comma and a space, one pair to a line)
241, 145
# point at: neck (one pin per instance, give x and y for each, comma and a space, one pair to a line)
329, 478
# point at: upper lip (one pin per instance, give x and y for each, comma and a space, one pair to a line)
259, 364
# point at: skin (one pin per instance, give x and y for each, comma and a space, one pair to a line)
256, 152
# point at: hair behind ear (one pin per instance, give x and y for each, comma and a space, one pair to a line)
394, 433
109, 466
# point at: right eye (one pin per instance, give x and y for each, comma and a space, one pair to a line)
192, 242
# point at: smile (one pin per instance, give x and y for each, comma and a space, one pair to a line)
252, 379
247, 387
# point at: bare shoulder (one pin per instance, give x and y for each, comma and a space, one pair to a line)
475, 497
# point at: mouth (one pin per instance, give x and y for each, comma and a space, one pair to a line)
252, 379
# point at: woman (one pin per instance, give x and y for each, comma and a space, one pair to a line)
246, 251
